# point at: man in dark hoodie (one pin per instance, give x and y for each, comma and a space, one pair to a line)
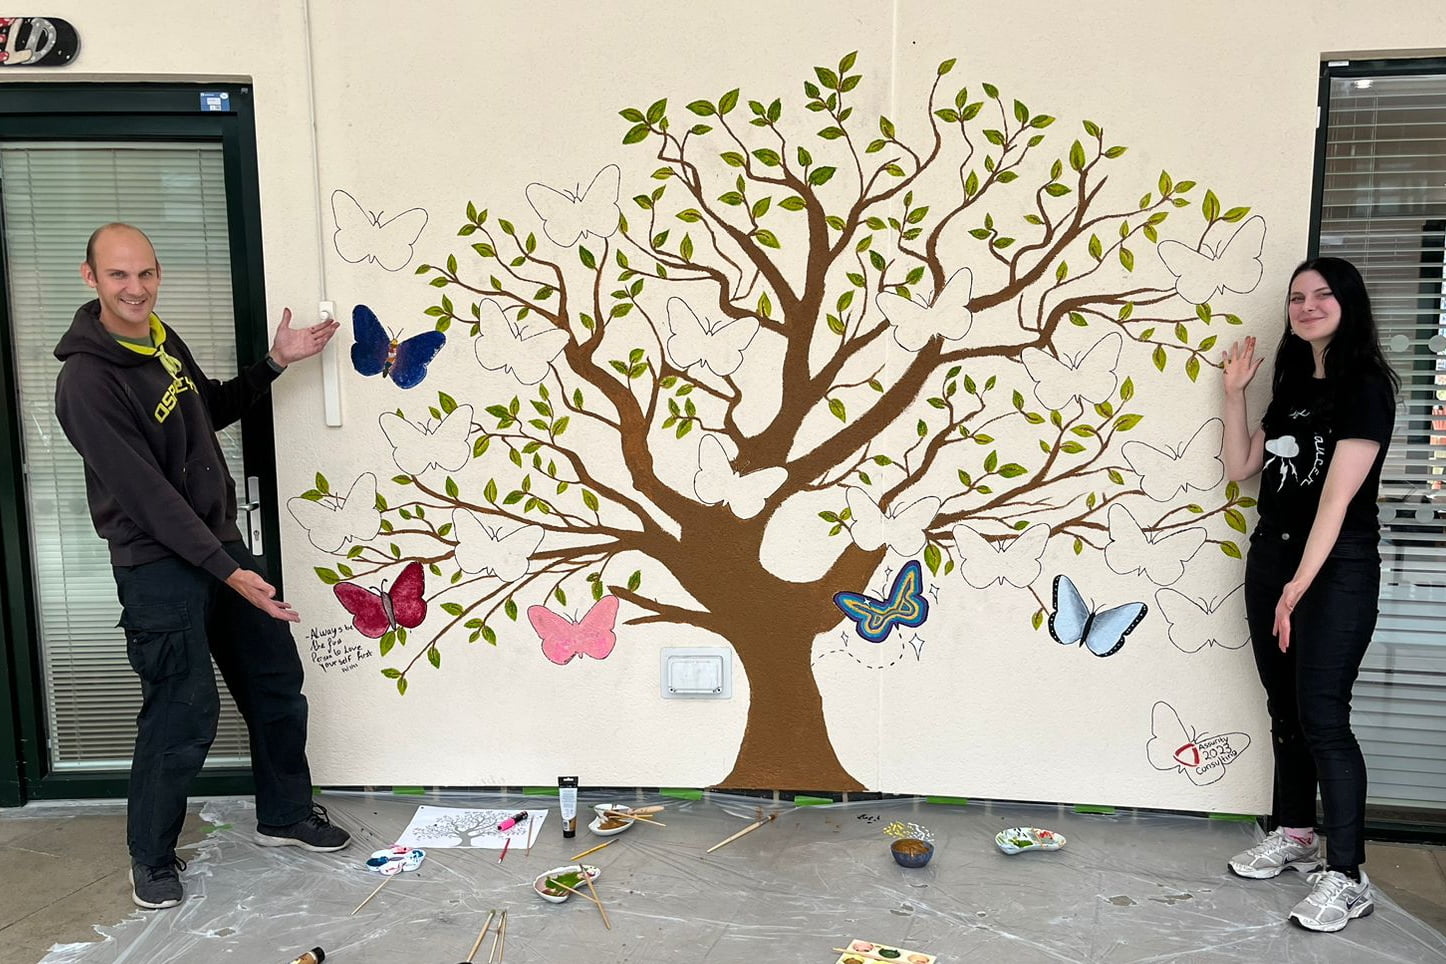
143, 416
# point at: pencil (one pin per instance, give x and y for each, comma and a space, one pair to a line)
505, 844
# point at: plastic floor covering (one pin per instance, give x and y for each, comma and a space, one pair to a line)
1127, 887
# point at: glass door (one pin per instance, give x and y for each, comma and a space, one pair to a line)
53, 195
72, 157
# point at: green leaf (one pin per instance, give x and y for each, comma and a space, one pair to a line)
1230, 549
635, 580
766, 238
945, 67
1012, 470
1192, 367
636, 134
1037, 619
836, 406
452, 609
932, 558
1077, 156
793, 203
1210, 210
327, 576
1235, 214
451, 487
1159, 357
820, 175
702, 108
1236, 518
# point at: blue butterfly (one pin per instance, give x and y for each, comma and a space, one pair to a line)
1102, 632
377, 353
874, 618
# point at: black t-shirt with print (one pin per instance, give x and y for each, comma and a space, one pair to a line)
1302, 426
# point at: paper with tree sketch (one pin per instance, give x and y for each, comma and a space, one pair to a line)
440, 827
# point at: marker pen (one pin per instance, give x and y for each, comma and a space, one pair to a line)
314, 956
513, 820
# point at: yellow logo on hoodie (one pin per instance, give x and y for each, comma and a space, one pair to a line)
179, 383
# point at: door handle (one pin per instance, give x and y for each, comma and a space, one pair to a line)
252, 508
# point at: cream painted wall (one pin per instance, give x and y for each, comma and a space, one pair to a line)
473, 104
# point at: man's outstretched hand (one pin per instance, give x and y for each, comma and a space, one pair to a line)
261, 594
294, 344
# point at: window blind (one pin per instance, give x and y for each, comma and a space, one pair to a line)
1384, 209
54, 195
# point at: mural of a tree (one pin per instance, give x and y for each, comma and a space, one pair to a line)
854, 279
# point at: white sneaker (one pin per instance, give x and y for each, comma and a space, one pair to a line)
1334, 902
1275, 853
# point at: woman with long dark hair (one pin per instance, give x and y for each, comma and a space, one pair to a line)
1313, 572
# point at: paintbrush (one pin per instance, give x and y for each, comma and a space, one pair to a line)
498, 942
591, 850
371, 895
748, 829
486, 926
554, 882
505, 844
587, 878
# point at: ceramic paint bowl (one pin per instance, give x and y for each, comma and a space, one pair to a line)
606, 825
537, 885
911, 852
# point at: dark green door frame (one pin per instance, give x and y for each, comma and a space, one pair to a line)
124, 112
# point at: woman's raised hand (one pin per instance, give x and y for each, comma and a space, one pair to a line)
1240, 364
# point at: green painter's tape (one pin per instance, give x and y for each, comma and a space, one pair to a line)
218, 828
948, 801
1233, 817
408, 791
680, 793
802, 801
539, 791
1093, 808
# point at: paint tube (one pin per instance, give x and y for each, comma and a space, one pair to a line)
567, 798
314, 956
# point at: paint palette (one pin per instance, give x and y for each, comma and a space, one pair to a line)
871, 952
607, 823
1016, 840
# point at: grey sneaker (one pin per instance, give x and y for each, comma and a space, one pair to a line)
1275, 853
156, 888
1334, 902
316, 832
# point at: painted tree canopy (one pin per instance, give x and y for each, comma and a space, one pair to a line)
920, 330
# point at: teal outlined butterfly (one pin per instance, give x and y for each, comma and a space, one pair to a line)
874, 618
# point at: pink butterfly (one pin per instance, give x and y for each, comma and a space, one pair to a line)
562, 639
378, 611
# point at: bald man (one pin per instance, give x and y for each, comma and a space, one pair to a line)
143, 417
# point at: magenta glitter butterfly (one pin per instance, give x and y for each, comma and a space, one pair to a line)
563, 639
376, 612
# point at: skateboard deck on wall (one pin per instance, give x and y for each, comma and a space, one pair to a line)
37, 42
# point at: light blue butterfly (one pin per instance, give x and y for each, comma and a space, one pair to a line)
1101, 632
874, 618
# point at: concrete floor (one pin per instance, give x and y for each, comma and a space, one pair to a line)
67, 871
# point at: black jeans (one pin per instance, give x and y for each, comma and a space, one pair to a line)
1308, 689
177, 618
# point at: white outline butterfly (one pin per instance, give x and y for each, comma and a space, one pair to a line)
946, 315
903, 528
1194, 464
1200, 756
417, 448
1234, 265
504, 345
1016, 561
332, 522
482, 548
745, 493
1161, 556
568, 217
715, 345
1090, 376
363, 236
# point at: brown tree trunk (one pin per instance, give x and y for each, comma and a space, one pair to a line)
785, 743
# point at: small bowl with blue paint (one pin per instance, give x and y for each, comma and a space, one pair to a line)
911, 852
